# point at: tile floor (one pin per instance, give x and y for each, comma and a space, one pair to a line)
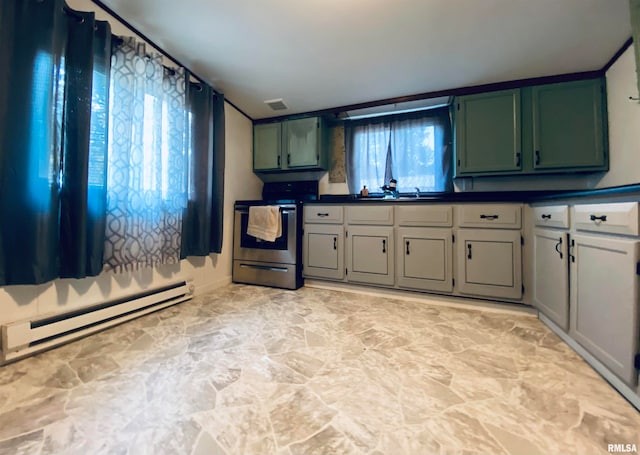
252, 370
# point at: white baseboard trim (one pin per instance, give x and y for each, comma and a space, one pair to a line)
431, 299
212, 285
626, 391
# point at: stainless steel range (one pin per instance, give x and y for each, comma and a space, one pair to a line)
278, 263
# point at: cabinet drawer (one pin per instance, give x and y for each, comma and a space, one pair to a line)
380, 215
425, 215
552, 216
619, 218
329, 214
499, 216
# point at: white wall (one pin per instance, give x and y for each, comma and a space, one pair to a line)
624, 124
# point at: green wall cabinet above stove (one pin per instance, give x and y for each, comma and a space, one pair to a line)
298, 144
267, 140
542, 129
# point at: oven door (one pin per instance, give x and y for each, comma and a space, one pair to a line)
249, 248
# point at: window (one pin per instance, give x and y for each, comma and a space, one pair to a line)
413, 149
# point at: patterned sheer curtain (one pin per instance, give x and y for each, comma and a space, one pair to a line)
147, 160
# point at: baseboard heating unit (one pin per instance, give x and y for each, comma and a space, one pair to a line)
22, 338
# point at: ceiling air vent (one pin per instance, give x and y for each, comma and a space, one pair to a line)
276, 105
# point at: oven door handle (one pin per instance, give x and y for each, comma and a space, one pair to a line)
263, 267
281, 210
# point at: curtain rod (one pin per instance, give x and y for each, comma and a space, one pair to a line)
150, 42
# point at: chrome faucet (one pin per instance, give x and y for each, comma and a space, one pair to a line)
417, 191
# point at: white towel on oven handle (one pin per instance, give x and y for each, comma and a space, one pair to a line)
265, 222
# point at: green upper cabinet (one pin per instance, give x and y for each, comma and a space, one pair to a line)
568, 126
533, 130
298, 144
488, 133
267, 140
302, 142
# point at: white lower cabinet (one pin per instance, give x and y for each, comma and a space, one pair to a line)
604, 300
489, 263
324, 251
551, 269
412, 246
370, 254
425, 259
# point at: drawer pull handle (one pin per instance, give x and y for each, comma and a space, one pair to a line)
598, 218
335, 243
469, 251
537, 157
489, 217
408, 248
546, 216
384, 246
558, 245
322, 215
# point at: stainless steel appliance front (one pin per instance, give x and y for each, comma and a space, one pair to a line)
256, 261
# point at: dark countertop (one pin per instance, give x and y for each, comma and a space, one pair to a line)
485, 196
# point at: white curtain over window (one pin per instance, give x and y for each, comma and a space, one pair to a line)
147, 160
414, 149
371, 167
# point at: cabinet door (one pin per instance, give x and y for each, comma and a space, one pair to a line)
266, 146
551, 286
490, 263
425, 258
488, 137
323, 251
568, 126
301, 142
604, 301
370, 256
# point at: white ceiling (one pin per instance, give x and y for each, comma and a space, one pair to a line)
318, 54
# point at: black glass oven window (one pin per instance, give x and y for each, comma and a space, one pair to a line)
249, 241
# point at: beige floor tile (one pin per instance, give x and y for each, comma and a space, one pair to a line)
254, 370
